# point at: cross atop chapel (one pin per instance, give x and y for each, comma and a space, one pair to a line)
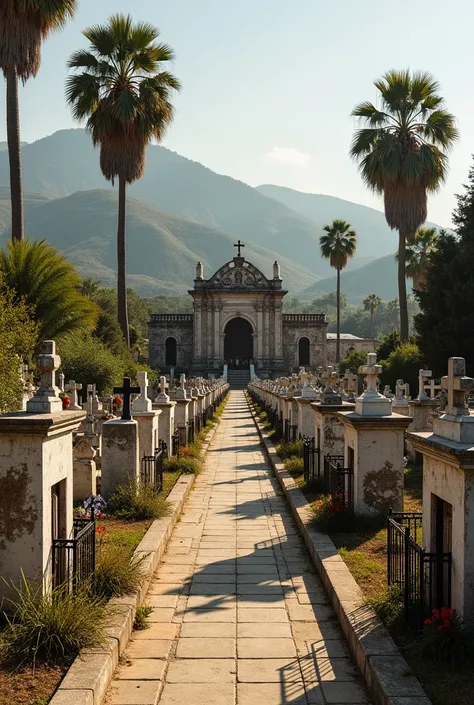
239, 245
457, 386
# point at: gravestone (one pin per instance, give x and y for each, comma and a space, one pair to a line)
146, 417
72, 388
166, 424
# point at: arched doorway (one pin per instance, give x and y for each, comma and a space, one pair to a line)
303, 352
171, 352
238, 342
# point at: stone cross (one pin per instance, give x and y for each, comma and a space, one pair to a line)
61, 382
182, 380
400, 389
46, 399
239, 245
328, 376
126, 390
351, 381
387, 391
162, 396
142, 403
371, 371
73, 388
422, 376
457, 386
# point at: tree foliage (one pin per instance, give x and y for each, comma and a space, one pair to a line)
445, 323
40, 276
89, 361
353, 361
17, 340
404, 362
402, 153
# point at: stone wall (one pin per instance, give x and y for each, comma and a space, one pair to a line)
163, 326
295, 328
347, 344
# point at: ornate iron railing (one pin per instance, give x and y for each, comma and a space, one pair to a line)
152, 470
73, 559
339, 481
311, 460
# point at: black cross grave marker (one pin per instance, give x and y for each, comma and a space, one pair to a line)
126, 390
239, 245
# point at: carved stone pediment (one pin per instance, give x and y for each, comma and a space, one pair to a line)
238, 274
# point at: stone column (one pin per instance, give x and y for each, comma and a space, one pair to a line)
217, 340
209, 336
166, 407
374, 446
197, 329
259, 352
85, 470
36, 479
146, 418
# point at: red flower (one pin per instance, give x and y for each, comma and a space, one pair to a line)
100, 530
118, 401
99, 515
428, 621
436, 613
446, 623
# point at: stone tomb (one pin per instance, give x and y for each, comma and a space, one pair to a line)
147, 419
328, 431
164, 404
448, 489
374, 440
36, 478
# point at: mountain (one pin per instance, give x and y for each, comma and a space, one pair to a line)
162, 249
66, 162
377, 277
4, 145
374, 237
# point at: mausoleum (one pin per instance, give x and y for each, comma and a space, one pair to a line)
237, 317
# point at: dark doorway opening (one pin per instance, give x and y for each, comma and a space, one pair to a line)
238, 343
171, 352
303, 352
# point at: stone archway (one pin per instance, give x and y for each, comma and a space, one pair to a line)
303, 352
238, 340
171, 352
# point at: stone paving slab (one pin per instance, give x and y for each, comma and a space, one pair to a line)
239, 614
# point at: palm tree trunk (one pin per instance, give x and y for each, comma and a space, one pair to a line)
14, 154
121, 263
402, 286
338, 320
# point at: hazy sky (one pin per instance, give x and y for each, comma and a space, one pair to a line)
268, 85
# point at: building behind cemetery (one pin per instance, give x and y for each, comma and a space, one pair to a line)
237, 317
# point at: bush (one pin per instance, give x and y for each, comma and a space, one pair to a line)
141, 616
135, 501
353, 361
88, 361
388, 605
51, 627
444, 640
187, 466
404, 363
288, 450
332, 516
117, 571
294, 466
194, 450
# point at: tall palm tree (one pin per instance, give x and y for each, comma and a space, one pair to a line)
123, 91
42, 279
402, 153
372, 303
24, 24
338, 245
418, 255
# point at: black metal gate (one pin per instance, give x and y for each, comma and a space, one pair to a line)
424, 578
73, 560
152, 470
311, 460
339, 481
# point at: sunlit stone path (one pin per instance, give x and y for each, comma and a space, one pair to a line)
240, 616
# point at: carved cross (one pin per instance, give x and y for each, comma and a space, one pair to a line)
73, 389
371, 371
457, 386
182, 380
126, 390
142, 403
239, 245
422, 376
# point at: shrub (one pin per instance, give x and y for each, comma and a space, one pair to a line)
288, 450
332, 515
353, 361
388, 605
135, 501
404, 363
141, 616
88, 361
186, 466
51, 627
294, 466
117, 571
193, 450
444, 640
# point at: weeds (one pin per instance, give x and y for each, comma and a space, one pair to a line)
141, 616
187, 466
135, 501
117, 572
294, 466
388, 605
288, 450
51, 627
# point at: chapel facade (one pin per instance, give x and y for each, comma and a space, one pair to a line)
237, 316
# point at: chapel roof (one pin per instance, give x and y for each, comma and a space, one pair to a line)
241, 275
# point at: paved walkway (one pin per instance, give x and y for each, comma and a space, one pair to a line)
240, 618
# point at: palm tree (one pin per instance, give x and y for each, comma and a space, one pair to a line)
402, 153
41, 278
418, 255
372, 303
338, 245
24, 24
123, 92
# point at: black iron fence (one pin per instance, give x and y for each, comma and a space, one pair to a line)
424, 578
190, 432
311, 457
175, 438
73, 559
339, 481
152, 470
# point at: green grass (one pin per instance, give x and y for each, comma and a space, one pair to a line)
141, 615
